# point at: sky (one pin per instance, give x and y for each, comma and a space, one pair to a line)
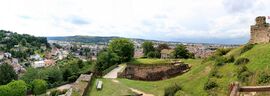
198, 21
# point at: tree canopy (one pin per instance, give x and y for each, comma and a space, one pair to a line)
14, 88
123, 48
39, 86
148, 46
181, 52
7, 74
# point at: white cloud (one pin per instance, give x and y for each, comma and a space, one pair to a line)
150, 19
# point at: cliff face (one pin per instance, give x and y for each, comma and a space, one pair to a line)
260, 32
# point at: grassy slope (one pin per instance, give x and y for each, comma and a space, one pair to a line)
259, 57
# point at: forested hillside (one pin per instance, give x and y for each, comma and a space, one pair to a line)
21, 45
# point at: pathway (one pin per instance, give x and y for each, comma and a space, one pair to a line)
113, 73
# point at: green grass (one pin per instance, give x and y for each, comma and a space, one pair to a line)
150, 61
259, 57
110, 88
191, 82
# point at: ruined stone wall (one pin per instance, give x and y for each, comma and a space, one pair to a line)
153, 72
260, 32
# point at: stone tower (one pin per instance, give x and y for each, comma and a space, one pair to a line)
260, 32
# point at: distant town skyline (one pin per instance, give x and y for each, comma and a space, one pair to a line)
196, 21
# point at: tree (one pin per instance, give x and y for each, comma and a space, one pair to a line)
181, 52
32, 74
14, 88
7, 74
153, 54
18, 88
148, 46
105, 60
162, 46
123, 48
39, 86
5, 90
67, 73
54, 76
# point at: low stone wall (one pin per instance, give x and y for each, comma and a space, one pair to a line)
153, 72
81, 85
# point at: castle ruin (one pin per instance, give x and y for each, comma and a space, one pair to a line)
260, 32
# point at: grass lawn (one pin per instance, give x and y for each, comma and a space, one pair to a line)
191, 82
110, 88
151, 61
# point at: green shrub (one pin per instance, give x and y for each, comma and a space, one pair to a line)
214, 73
210, 85
72, 78
246, 48
230, 59
170, 91
243, 74
153, 54
241, 61
14, 88
219, 61
264, 77
39, 86
222, 51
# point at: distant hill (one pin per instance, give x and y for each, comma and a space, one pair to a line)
84, 39
89, 39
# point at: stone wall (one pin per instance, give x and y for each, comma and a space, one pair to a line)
153, 72
260, 32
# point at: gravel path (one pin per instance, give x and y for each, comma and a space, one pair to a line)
113, 73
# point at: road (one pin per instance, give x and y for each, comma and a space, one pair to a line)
113, 73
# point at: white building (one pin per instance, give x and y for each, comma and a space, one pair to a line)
38, 64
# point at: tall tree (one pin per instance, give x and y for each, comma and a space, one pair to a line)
162, 46
124, 48
181, 52
7, 74
105, 60
148, 46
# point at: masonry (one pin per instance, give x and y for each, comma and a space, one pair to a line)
153, 72
260, 32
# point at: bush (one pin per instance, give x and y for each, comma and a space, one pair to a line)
243, 74
14, 88
264, 77
241, 61
210, 85
170, 91
230, 59
72, 78
219, 61
222, 51
214, 73
153, 54
246, 48
39, 86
